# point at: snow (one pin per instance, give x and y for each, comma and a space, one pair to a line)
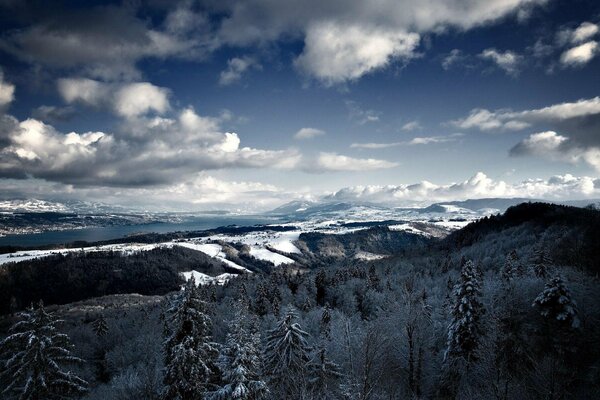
203, 279
214, 250
365, 255
267, 255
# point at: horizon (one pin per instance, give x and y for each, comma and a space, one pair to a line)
192, 106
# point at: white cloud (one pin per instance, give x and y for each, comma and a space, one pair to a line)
145, 152
486, 120
478, 186
127, 100
411, 126
580, 55
583, 32
552, 146
335, 52
236, 67
508, 60
337, 162
414, 141
139, 98
308, 133
7, 91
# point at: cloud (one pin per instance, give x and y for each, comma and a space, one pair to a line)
127, 100
486, 120
552, 146
478, 186
507, 61
360, 115
454, 57
337, 162
236, 67
7, 92
583, 33
580, 120
579, 55
105, 41
53, 113
414, 141
145, 151
108, 42
335, 53
411, 126
308, 133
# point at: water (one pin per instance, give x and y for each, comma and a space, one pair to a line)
115, 232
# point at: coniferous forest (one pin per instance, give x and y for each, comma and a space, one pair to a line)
506, 308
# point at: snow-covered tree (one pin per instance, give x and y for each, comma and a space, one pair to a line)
34, 357
541, 262
325, 323
323, 377
100, 326
464, 331
509, 270
287, 354
240, 362
555, 303
189, 353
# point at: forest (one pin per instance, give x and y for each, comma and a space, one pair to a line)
505, 308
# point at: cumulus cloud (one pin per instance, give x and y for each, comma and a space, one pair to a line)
308, 133
335, 52
108, 42
414, 141
478, 186
7, 92
553, 146
236, 67
337, 162
507, 61
580, 120
147, 151
127, 100
579, 55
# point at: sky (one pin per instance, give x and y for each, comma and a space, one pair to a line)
245, 105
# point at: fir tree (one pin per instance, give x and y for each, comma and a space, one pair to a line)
240, 362
555, 303
189, 354
320, 284
508, 271
464, 331
34, 356
541, 262
286, 356
100, 326
325, 325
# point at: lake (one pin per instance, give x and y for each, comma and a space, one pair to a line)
115, 232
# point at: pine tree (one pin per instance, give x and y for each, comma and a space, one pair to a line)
189, 354
33, 359
100, 326
321, 284
240, 362
286, 356
372, 278
555, 303
541, 262
464, 331
325, 325
508, 271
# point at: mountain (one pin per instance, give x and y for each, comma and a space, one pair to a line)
69, 206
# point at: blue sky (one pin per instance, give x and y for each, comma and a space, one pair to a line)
244, 105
